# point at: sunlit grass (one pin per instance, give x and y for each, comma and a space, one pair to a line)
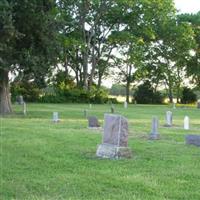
43, 160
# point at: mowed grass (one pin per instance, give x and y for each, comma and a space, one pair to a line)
41, 160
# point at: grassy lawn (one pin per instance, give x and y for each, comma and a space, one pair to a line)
45, 161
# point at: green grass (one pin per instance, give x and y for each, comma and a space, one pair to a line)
45, 161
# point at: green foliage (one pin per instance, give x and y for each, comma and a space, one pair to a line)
188, 96
146, 95
28, 90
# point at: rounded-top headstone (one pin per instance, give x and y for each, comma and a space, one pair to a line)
186, 123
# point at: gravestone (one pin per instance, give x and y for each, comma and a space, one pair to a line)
24, 108
186, 123
174, 105
193, 140
125, 104
93, 122
112, 110
20, 100
85, 113
154, 135
168, 119
115, 138
198, 104
55, 117
90, 105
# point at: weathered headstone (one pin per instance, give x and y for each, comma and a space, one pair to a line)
174, 105
112, 109
198, 104
85, 113
168, 119
20, 100
125, 104
115, 138
55, 117
186, 123
24, 108
193, 139
93, 122
154, 135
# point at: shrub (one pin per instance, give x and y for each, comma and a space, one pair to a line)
146, 95
28, 90
188, 96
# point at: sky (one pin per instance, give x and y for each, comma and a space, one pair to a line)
187, 6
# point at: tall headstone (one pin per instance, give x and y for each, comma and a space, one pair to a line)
112, 109
115, 138
154, 135
186, 123
55, 117
93, 122
20, 100
24, 108
168, 119
85, 113
125, 104
193, 140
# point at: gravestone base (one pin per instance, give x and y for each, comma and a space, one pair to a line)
193, 140
167, 125
113, 152
95, 128
154, 137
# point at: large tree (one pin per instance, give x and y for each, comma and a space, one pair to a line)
27, 41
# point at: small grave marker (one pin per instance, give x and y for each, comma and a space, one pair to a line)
93, 122
112, 109
55, 117
174, 105
186, 123
125, 104
24, 108
154, 135
193, 140
168, 119
85, 113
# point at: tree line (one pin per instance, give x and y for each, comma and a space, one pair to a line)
89, 40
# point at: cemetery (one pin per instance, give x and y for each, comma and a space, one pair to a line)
99, 100
46, 160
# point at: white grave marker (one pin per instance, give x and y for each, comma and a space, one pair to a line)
186, 123
125, 104
168, 118
55, 117
24, 108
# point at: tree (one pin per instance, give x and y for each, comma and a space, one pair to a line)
27, 44
193, 65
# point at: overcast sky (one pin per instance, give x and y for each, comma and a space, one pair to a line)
188, 6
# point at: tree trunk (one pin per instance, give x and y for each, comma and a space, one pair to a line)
170, 95
127, 90
5, 102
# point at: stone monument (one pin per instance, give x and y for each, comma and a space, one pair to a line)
193, 140
20, 100
85, 113
125, 104
115, 138
186, 123
55, 117
154, 135
24, 108
93, 122
112, 110
168, 119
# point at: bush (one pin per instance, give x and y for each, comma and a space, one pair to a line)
188, 96
28, 90
76, 95
146, 95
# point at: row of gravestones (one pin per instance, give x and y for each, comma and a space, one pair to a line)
115, 135
169, 121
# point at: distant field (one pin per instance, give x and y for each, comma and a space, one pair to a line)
40, 160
